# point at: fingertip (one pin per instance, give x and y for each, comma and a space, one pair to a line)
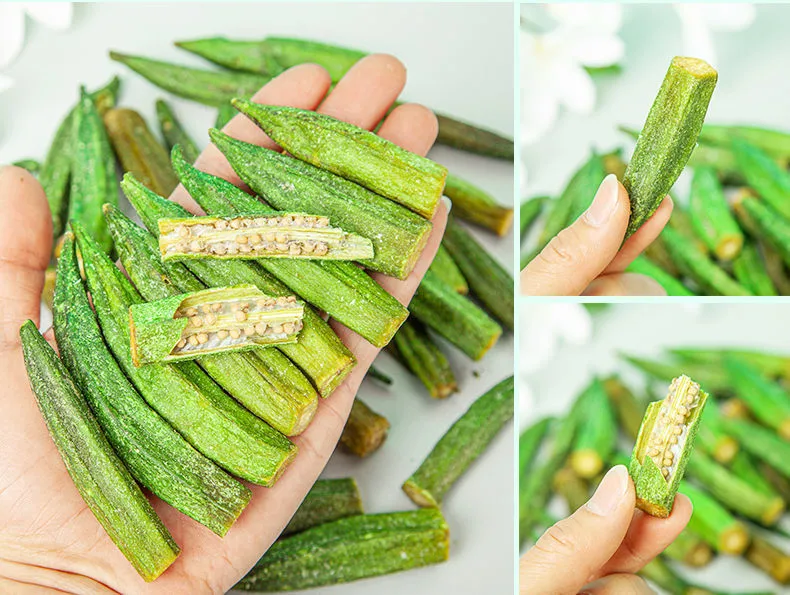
683, 508
389, 64
411, 126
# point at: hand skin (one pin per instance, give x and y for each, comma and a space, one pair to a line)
49, 539
590, 258
602, 545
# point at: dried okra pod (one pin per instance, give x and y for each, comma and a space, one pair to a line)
214, 320
665, 441
279, 235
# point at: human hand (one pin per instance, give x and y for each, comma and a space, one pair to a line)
590, 258
599, 548
49, 538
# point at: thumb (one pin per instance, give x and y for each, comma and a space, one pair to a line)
570, 554
582, 251
25, 247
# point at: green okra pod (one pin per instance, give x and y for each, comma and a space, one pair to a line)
658, 254
774, 142
398, 235
769, 223
711, 521
488, 280
682, 223
365, 430
225, 113
139, 151
750, 271
475, 205
690, 549
423, 358
349, 549
379, 376
529, 211
354, 153
668, 136
473, 139
235, 54
627, 407
711, 215
643, 266
454, 317
664, 444
264, 380
447, 270
712, 438
767, 401
156, 455
93, 181
770, 180
711, 376
319, 353
203, 413
102, 480
769, 558
571, 488
529, 443
773, 365
174, 133
277, 235
746, 468
328, 500
209, 87
596, 437
31, 165
761, 443
658, 572
464, 442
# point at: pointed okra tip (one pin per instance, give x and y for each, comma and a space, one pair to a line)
119, 57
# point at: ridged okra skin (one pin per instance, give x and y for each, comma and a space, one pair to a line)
628, 408
365, 430
475, 205
447, 270
689, 549
414, 347
529, 212
289, 51
711, 216
174, 133
398, 235
770, 180
93, 181
644, 266
156, 455
596, 437
194, 405
235, 54
668, 136
139, 151
530, 441
328, 500
264, 381
769, 223
714, 523
103, 481
766, 400
750, 270
664, 445
209, 87
467, 137
760, 442
319, 353
463, 443
350, 549
354, 153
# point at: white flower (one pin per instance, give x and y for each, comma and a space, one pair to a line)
545, 326
553, 62
53, 15
699, 21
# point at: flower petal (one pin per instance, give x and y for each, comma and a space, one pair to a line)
539, 111
54, 15
12, 31
598, 50
603, 17
574, 88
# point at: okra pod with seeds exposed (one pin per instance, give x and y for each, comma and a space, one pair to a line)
211, 321
328, 500
665, 442
280, 235
354, 153
711, 215
464, 442
174, 133
365, 430
668, 136
398, 235
474, 205
447, 270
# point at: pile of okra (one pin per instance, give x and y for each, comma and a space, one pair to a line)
737, 478
201, 362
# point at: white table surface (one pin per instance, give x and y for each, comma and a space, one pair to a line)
460, 61
647, 330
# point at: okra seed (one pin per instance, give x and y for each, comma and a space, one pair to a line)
288, 328
321, 248
241, 240
322, 222
191, 312
281, 238
202, 338
294, 250
308, 247
183, 231
277, 329
216, 307
222, 334
206, 308
234, 333
249, 330
196, 321
298, 220
245, 249
241, 316
210, 319
193, 340
221, 224
181, 344
235, 223
260, 328
255, 239
281, 247
232, 249
219, 249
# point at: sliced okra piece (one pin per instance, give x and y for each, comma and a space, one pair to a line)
365, 430
213, 320
280, 235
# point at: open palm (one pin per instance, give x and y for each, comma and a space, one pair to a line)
49, 539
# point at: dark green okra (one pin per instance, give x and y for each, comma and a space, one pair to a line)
475, 205
664, 444
93, 181
710, 376
225, 113
209, 87
156, 455
398, 235
328, 500
529, 443
529, 211
464, 442
769, 223
468, 137
747, 468
711, 521
365, 430
454, 317
771, 141
770, 180
194, 405
760, 442
668, 136
354, 153
423, 358
447, 270
264, 381
627, 407
750, 270
690, 549
139, 151
767, 401
340, 289
319, 353
643, 266
711, 215
658, 254
103, 481
235, 54
774, 365
174, 133
711, 437
350, 549
596, 437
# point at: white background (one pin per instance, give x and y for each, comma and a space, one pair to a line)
460, 61
645, 330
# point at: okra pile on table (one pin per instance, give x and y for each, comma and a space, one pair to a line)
731, 234
731, 406
197, 364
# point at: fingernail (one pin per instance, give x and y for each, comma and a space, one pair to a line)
604, 203
610, 493
448, 204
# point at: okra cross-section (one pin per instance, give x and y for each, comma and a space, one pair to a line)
283, 235
214, 320
665, 441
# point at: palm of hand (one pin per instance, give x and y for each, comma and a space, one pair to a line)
49, 537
